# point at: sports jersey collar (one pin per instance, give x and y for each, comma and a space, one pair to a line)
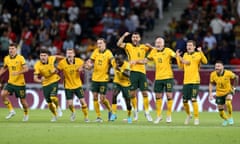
102, 51
191, 53
221, 74
68, 61
161, 50
13, 57
44, 63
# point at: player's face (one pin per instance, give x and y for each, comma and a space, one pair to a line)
159, 43
12, 51
44, 58
219, 67
190, 47
135, 39
119, 61
101, 45
70, 54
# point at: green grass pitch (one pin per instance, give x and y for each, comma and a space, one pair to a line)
39, 129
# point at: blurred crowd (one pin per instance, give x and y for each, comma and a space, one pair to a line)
61, 24
213, 24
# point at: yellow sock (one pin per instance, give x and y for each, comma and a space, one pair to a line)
222, 114
129, 112
158, 107
169, 107
186, 107
229, 108
107, 104
55, 101
146, 103
25, 109
134, 103
71, 108
114, 108
8, 104
52, 108
195, 109
85, 111
97, 108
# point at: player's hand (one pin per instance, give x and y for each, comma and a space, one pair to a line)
126, 34
133, 62
199, 49
149, 45
15, 73
178, 53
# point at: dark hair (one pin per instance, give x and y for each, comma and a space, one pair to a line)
192, 41
219, 61
102, 40
135, 33
44, 50
13, 45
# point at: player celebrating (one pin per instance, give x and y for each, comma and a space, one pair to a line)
71, 67
16, 66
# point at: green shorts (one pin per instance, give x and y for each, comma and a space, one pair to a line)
125, 90
78, 92
99, 87
138, 80
163, 85
221, 100
50, 90
190, 91
20, 91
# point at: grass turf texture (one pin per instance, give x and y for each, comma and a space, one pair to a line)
39, 129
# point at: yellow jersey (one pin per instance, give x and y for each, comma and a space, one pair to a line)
71, 73
222, 82
46, 70
102, 61
136, 53
119, 78
191, 71
162, 60
14, 65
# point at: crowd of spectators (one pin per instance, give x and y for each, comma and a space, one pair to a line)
213, 24
61, 24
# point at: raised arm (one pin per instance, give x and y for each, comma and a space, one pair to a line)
120, 42
203, 57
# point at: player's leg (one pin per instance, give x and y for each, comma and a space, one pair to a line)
54, 98
158, 89
133, 93
4, 94
51, 105
20, 92
69, 97
80, 94
116, 91
195, 89
169, 92
186, 97
229, 108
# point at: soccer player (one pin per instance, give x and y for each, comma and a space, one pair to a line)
190, 63
162, 56
121, 84
45, 72
71, 68
224, 90
100, 61
136, 55
16, 66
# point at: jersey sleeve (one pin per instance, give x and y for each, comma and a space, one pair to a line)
36, 69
